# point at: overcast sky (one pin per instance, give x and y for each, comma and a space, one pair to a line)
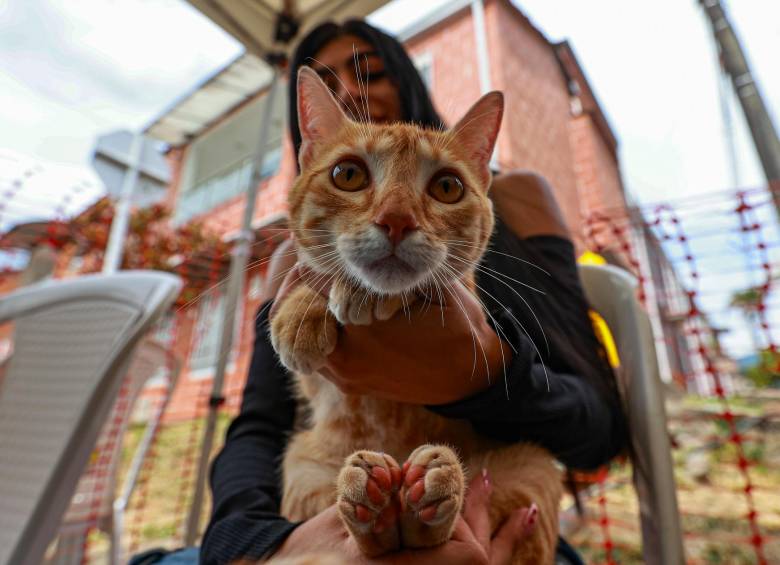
73, 69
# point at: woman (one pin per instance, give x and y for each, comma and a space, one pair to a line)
561, 394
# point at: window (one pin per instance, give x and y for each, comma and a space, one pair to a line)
219, 163
424, 65
208, 328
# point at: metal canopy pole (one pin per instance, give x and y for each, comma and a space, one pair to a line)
238, 262
112, 259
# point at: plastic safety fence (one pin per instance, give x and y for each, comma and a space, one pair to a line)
706, 269
158, 511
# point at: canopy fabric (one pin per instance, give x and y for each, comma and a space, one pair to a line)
253, 22
190, 115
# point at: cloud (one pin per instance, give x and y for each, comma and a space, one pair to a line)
92, 53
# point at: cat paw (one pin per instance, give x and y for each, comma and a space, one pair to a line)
302, 332
367, 499
431, 496
360, 307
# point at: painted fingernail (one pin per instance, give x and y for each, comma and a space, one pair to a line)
531, 518
485, 478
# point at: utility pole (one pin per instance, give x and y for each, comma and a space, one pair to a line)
761, 128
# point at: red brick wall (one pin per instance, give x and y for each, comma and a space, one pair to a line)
537, 113
455, 82
535, 130
597, 174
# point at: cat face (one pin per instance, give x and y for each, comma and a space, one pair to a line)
391, 207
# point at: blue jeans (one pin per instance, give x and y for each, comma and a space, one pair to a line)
186, 556
189, 556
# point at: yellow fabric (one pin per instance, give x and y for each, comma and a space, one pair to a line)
591, 258
599, 325
605, 337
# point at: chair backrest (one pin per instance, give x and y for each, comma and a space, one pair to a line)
93, 498
72, 342
611, 291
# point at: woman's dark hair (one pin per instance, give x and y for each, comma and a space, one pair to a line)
416, 105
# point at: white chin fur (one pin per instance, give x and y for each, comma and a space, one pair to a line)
390, 281
372, 261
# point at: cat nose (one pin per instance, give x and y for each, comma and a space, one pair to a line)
397, 225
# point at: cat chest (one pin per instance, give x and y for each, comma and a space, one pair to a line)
361, 422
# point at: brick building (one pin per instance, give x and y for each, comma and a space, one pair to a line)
553, 125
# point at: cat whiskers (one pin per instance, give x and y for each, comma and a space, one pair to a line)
315, 282
464, 243
358, 118
448, 286
487, 271
362, 88
501, 331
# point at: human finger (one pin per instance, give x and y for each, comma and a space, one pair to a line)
475, 508
518, 526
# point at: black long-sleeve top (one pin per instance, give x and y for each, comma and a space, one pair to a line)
546, 398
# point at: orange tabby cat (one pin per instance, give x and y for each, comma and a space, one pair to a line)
374, 212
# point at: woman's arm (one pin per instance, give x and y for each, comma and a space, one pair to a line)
530, 402
245, 521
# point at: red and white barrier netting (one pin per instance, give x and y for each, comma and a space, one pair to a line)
706, 269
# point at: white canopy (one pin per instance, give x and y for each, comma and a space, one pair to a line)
254, 22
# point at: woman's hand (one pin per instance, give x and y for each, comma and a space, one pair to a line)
471, 542
431, 354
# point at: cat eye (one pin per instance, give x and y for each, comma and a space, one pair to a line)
350, 175
446, 188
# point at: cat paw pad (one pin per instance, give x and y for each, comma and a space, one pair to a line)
432, 495
367, 499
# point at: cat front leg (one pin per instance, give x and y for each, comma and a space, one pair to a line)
367, 498
432, 496
303, 333
360, 307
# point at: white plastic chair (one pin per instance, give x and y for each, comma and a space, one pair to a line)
611, 291
93, 503
73, 340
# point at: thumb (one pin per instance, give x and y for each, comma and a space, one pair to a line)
512, 531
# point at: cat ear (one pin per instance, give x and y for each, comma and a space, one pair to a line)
476, 132
319, 114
